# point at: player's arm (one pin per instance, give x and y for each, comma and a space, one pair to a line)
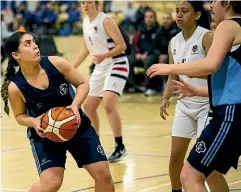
17, 103
74, 77
18, 106
83, 54
168, 89
186, 90
113, 31
223, 40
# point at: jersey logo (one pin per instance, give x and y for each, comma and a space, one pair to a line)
100, 150
63, 89
194, 49
174, 52
200, 147
96, 29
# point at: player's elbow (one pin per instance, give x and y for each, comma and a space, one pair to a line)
213, 66
123, 47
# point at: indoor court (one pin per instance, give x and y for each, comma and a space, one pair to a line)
146, 135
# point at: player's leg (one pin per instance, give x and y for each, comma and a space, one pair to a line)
114, 86
50, 161
212, 149
50, 180
182, 131
192, 179
216, 181
93, 100
91, 105
87, 151
101, 174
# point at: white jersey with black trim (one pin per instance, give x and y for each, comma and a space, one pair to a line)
98, 41
186, 51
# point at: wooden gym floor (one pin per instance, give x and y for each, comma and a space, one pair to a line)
146, 135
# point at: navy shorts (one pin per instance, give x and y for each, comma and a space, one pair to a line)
219, 146
85, 147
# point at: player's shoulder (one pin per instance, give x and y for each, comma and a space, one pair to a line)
13, 88
59, 62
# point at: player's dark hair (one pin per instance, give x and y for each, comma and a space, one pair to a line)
11, 45
97, 3
236, 5
205, 18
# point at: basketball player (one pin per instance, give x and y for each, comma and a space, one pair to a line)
218, 146
40, 84
192, 43
104, 41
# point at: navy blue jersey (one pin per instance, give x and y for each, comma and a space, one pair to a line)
225, 84
57, 94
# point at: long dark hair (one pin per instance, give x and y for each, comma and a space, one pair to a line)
11, 45
205, 19
236, 5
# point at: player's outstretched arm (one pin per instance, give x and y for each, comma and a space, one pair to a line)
187, 90
223, 40
83, 54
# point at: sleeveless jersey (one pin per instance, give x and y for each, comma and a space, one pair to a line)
187, 51
225, 84
98, 41
57, 94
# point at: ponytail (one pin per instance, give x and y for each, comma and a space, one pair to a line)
8, 76
11, 45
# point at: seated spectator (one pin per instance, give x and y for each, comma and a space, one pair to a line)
49, 17
143, 55
140, 12
167, 32
128, 23
74, 17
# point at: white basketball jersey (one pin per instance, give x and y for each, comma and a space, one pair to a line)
98, 41
186, 51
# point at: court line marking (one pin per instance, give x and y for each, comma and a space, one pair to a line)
9, 189
118, 182
233, 183
156, 187
167, 184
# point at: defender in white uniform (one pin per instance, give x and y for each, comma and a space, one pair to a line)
192, 43
103, 40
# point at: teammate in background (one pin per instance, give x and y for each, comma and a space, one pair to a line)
102, 38
216, 149
192, 43
40, 84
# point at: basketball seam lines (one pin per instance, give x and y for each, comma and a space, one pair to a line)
57, 127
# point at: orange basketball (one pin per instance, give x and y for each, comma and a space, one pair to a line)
59, 124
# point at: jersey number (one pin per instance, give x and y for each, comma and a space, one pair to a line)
91, 41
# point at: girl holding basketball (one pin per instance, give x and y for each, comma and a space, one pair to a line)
102, 39
40, 84
192, 43
217, 148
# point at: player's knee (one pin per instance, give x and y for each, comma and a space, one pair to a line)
185, 176
104, 176
51, 185
88, 108
109, 108
176, 159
